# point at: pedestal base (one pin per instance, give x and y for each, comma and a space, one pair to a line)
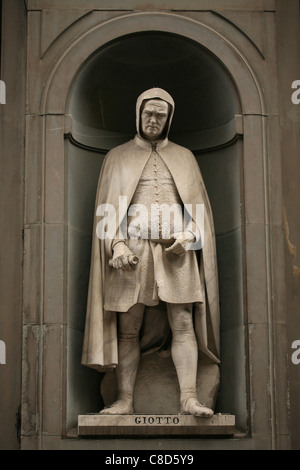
155, 425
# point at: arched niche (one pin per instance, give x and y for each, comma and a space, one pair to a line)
103, 96
101, 107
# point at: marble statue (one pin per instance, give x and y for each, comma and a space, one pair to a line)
152, 242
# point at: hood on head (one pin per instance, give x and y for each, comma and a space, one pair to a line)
152, 94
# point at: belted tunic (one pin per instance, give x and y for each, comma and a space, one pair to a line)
158, 275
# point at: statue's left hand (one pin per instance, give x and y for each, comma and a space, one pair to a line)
181, 244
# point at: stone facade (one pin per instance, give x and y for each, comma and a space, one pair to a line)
56, 56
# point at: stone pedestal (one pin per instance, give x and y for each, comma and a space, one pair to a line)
155, 425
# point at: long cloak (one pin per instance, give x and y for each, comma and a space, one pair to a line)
120, 174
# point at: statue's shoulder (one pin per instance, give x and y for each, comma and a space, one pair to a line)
179, 149
120, 150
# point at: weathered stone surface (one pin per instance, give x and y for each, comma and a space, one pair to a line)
282, 391
253, 29
31, 409
32, 273
254, 170
275, 170
56, 89
261, 386
257, 281
54, 274
278, 300
33, 170
54, 169
55, 22
30, 442
233, 386
154, 4
148, 443
12, 134
52, 379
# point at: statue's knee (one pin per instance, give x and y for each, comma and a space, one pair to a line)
128, 337
183, 327
181, 319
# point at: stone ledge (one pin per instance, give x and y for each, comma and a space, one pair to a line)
155, 425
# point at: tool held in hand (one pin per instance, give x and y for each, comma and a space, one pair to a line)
132, 259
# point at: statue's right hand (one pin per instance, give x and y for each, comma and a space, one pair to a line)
123, 258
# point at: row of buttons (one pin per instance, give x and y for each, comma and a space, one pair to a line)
156, 184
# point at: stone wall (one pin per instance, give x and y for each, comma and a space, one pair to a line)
257, 44
12, 136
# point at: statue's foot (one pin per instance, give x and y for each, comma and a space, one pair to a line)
191, 406
120, 407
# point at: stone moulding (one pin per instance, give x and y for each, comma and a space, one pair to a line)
55, 90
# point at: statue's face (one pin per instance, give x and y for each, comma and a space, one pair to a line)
153, 118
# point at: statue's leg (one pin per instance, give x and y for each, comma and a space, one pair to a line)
185, 358
129, 355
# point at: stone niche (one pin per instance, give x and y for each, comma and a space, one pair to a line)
101, 109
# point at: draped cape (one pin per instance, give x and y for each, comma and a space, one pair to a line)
120, 175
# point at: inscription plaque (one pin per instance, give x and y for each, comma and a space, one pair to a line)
155, 425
